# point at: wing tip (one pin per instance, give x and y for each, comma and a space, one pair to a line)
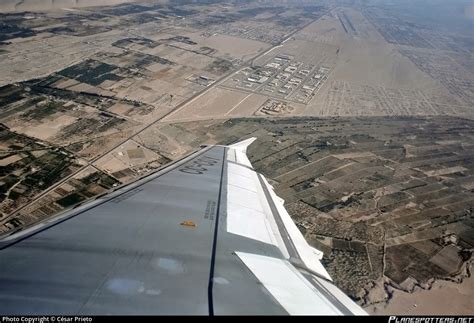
243, 144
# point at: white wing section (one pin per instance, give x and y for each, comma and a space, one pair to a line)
239, 151
248, 212
299, 282
288, 286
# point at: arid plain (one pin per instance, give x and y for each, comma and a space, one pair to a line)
363, 113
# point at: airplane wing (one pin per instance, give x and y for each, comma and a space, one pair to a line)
205, 235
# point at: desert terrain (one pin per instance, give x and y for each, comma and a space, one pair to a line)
363, 113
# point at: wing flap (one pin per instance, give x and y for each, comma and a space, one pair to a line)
287, 285
297, 279
245, 193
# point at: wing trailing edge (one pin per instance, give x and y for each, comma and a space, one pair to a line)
261, 215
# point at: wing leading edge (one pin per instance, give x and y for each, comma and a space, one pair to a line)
205, 235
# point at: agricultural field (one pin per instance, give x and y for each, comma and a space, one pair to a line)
363, 113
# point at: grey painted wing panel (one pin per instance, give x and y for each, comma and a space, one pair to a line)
128, 255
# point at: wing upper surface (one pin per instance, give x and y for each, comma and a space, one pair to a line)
205, 235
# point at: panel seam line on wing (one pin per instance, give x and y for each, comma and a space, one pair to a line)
214, 243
